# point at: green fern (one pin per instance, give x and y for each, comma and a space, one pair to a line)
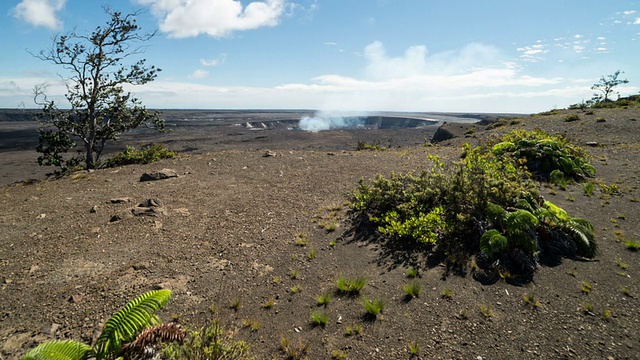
493, 242
60, 350
127, 323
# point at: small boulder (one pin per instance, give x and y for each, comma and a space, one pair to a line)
159, 175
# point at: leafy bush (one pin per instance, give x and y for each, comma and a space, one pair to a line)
571, 117
145, 155
542, 153
485, 205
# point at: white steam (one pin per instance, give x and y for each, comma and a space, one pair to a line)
330, 121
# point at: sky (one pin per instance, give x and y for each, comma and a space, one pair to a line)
497, 56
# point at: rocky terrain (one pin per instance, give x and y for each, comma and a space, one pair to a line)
259, 217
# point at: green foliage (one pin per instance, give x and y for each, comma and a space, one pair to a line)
486, 205
542, 154
100, 109
122, 328
145, 155
59, 350
319, 318
209, 342
606, 85
375, 146
571, 117
412, 290
323, 299
351, 287
372, 307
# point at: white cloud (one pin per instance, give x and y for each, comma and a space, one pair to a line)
330, 43
199, 74
40, 13
629, 12
216, 18
214, 62
637, 21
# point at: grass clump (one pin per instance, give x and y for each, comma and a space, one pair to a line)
571, 118
294, 352
323, 299
337, 354
412, 290
414, 348
446, 293
632, 245
372, 308
145, 155
209, 342
319, 318
486, 311
353, 330
412, 273
351, 287
586, 287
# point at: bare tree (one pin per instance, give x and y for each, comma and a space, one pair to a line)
606, 85
100, 110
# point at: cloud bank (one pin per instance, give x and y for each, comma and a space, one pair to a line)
216, 18
42, 13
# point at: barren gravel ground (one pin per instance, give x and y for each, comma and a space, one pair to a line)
226, 231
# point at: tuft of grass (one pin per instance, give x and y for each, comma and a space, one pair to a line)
446, 293
269, 304
606, 314
319, 318
625, 291
301, 239
333, 243
572, 273
236, 305
294, 352
462, 315
632, 245
213, 308
295, 289
145, 155
353, 330
252, 324
276, 280
323, 299
586, 287
530, 300
294, 274
414, 348
351, 287
587, 308
372, 307
312, 254
486, 311
571, 117
621, 265
337, 354
412, 273
412, 290
588, 187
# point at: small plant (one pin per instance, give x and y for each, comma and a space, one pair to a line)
353, 330
295, 274
621, 265
412, 290
323, 299
412, 273
145, 155
319, 318
372, 307
588, 187
333, 243
213, 308
571, 117
252, 324
351, 287
600, 119
236, 305
414, 348
446, 293
312, 254
606, 314
587, 308
572, 273
209, 342
586, 287
338, 354
462, 315
269, 304
301, 239
294, 352
296, 289
632, 245
530, 300
625, 291
276, 280
486, 311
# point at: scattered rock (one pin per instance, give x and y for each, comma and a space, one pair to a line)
121, 200
269, 153
94, 209
592, 143
182, 211
50, 329
74, 299
159, 175
33, 269
147, 211
151, 203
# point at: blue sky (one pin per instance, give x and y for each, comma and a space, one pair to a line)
394, 55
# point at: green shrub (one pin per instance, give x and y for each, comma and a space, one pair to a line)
145, 155
571, 117
372, 307
350, 287
485, 205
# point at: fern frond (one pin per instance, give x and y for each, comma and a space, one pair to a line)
124, 326
557, 211
496, 214
520, 221
165, 333
583, 237
493, 242
59, 350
